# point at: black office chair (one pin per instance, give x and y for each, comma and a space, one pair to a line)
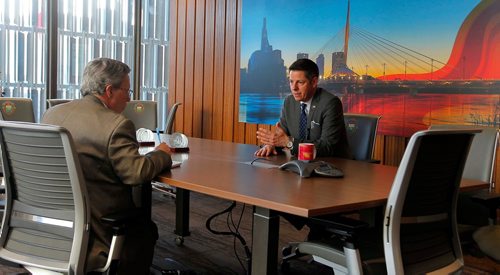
361, 134
361, 130
419, 230
47, 214
143, 114
56, 101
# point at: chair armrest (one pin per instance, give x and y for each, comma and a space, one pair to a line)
340, 225
119, 220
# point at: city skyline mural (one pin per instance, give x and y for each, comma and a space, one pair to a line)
415, 63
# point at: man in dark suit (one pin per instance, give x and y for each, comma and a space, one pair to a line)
325, 118
324, 125
108, 151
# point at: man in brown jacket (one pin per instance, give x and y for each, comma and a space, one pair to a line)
108, 151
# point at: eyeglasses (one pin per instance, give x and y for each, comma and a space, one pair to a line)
130, 91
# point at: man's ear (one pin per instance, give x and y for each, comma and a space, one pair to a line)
108, 90
315, 81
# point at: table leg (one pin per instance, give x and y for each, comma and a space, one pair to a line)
182, 212
265, 238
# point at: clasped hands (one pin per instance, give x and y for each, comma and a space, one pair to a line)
271, 139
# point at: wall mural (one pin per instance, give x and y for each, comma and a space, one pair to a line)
416, 63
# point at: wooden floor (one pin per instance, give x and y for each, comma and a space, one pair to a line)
207, 253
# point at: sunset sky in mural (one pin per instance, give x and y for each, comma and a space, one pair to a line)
427, 27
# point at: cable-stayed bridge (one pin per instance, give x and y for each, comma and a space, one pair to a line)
376, 64
356, 60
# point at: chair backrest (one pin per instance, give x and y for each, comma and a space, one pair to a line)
56, 101
143, 114
481, 160
420, 226
361, 133
47, 213
16, 109
170, 118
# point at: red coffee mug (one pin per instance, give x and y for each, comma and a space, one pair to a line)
307, 151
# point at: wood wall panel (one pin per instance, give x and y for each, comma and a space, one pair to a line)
378, 153
239, 128
189, 66
230, 72
250, 130
393, 149
173, 43
208, 71
204, 76
199, 52
181, 64
219, 62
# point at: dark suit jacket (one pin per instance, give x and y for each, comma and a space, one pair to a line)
108, 151
325, 121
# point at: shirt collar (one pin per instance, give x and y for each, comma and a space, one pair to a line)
308, 107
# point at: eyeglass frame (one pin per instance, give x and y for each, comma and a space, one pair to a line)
130, 91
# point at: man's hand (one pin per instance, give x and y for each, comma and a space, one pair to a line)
266, 151
274, 138
164, 147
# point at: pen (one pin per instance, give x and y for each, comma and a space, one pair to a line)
158, 134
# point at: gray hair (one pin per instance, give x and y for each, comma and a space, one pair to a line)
101, 72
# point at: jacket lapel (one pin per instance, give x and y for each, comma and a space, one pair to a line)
312, 109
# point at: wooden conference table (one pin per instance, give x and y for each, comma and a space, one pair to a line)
223, 169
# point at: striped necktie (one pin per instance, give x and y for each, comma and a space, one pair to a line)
303, 121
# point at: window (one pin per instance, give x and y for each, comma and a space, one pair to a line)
87, 29
22, 55
154, 59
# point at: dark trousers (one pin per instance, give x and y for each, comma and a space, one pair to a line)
138, 249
